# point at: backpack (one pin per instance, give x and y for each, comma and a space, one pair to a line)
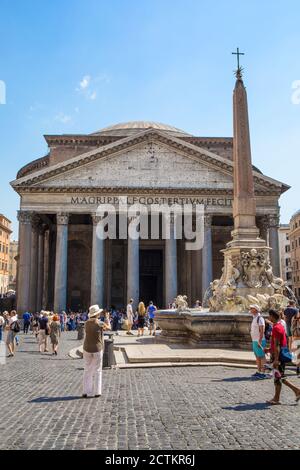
268, 330
15, 327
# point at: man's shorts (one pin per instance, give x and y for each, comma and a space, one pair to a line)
258, 351
151, 321
281, 368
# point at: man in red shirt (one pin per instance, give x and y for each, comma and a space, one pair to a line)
278, 341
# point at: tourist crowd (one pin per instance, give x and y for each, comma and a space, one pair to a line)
48, 326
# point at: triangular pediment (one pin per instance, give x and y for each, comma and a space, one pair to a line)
150, 159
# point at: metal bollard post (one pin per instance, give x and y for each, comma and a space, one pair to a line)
108, 353
80, 330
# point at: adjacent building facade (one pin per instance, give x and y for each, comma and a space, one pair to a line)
13, 255
294, 236
62, 262
5, 232
285, 255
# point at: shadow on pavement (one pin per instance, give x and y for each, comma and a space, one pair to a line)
28, 352
237, 379
54, 399
247, 407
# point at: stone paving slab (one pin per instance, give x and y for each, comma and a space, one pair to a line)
153, 408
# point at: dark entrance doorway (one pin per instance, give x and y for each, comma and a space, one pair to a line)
151, 276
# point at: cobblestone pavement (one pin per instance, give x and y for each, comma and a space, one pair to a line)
168, 408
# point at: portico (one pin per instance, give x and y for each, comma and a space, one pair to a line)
64, 264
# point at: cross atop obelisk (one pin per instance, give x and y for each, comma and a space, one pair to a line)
239, 70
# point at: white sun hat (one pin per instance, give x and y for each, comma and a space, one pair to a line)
255, 306
94, 310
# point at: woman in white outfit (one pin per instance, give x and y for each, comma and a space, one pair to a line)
93, 353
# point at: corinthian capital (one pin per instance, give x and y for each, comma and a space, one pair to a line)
273, 221
207, 220
24, 217
170, 217
132, 218
96, 218
62, 218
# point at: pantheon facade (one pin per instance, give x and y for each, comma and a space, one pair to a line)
64, 265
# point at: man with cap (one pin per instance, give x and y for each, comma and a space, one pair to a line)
93, 353
129, 313
258, 340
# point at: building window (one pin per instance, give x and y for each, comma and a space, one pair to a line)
289, 276
293, 246
287, 248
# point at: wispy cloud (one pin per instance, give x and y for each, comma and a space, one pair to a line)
63, 118
85, 82
86, 85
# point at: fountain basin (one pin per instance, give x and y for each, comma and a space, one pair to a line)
206, 329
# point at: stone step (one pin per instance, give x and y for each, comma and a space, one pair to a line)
161, 353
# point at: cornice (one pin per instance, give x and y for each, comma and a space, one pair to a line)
226, 141
77, 139
33, 166
138, 190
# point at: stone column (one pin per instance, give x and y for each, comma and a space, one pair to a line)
207, 262
274, 243
46, 269
97, 278
61, 263
34, 262
40, 270
264, 226
171, 264
23, 287
133, 268
196, 272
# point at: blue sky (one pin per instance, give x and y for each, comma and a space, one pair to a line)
74, 67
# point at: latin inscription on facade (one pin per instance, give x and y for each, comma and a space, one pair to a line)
148, 200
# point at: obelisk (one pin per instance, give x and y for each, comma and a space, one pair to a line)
244, 205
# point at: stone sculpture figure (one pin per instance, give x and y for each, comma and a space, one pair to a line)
277, 283
253, 264
181, 303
